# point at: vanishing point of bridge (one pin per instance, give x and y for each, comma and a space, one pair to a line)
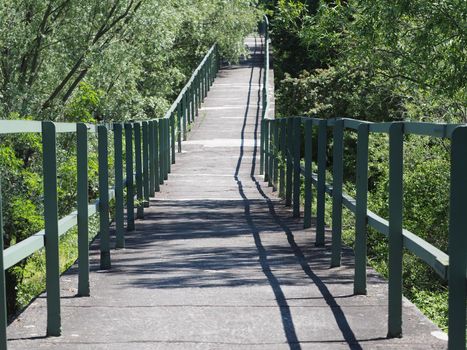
218, 261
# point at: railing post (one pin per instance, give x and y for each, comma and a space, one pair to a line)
152, 157
157, 150
266, 149
103, 161
458, 240
270, 164
3, 315
275, 168
202, 79
337, 179
179, 126
198, 91
361, 210
172, 136
321, 187
82, 204
167, 145
297, 134
193, 101
162, 150
130, 192
308, 172
184, 117
160, 158
118, 165
282, 149
139, 175
205, 78
261, 148
396, 141
49, 166
289, 169
146, 145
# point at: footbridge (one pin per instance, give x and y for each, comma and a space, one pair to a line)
218, 238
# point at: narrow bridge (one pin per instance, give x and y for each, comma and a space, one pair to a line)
215, 258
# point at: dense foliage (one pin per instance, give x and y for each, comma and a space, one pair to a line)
380, 61
93, 60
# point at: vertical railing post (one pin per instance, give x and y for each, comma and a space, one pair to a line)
275, 168
297, 135
179, 126
82, 204
289, 163
49, 166
205, 78
172, 136
146, 181
3, 310
198, 91
163, 149
261, 147
184, 116
130, 192
152, 157
396, 141
160, 156
139, 175
282, 149
266, 148
270, 164
165, 132
308, 172
361, 210
168, 161
202, 79
118, 166
458, 240
103, 155
157, 150
337, 180
193, 101
321, 186
189, 115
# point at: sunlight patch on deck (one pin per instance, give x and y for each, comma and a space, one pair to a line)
222, 142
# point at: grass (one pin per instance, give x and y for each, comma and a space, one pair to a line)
33, 282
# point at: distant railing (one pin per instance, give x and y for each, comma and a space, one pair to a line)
281, 160
150, 150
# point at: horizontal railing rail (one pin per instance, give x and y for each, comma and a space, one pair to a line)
149, 147
281, 163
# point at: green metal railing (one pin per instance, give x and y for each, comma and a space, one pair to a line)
284, 168
150, 148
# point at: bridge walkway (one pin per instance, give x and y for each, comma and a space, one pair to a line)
219, 263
